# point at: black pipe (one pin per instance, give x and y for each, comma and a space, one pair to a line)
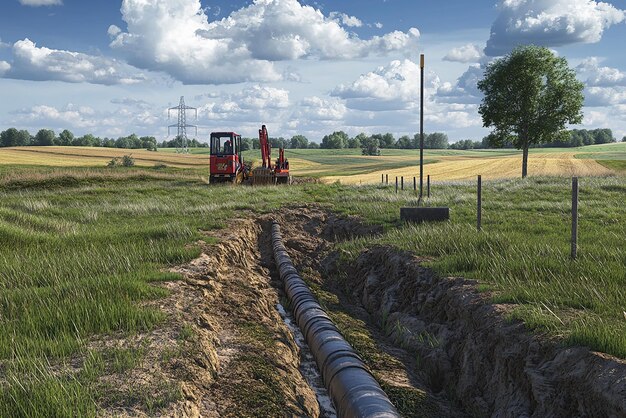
353, 389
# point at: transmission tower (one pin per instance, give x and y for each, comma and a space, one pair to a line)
182, 143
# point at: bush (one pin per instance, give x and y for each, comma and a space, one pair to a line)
128, 161
125, 161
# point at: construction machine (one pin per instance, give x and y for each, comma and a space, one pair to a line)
227, 165
269, 173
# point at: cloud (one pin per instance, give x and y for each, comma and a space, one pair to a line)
600, 76
465, 90
550, 23
346, 20
389, 97
139, 104
4, 68
319, 109
605, 96
37, 3
113, 31
253, 103
175, 36
467, 53
394, 86
31, 62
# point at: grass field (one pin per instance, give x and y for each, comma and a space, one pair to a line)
349, 167
80, 247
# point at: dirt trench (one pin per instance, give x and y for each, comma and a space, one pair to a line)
437, 346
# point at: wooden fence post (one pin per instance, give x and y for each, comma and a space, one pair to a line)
574, 218
402, 183
428, 186
479, 205
396, 184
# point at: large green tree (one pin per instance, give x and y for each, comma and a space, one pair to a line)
44, 137
530, 95
336, 140
299, 141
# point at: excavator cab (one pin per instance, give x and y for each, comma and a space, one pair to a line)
226, 159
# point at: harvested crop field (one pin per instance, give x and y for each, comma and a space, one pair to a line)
464, 168
348, 166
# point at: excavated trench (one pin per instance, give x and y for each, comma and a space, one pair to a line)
435, 345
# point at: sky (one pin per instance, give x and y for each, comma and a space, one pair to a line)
113, 67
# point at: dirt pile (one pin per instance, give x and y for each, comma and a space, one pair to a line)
256, 358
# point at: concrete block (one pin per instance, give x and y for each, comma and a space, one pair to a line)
420, 215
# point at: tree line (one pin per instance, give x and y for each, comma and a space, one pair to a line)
13, 137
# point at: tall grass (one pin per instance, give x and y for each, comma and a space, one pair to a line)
523, 253
78, 259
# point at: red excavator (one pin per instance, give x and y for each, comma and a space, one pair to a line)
227, 163
268, 173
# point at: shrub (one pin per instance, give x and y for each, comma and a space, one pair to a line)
128, 161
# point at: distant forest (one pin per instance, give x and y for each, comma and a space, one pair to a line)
13, 137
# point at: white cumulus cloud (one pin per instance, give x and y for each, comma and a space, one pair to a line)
37, 3
394, 86
467, 53
550, 23
599, 76
346, 20
176, 36
31, 62
4, 67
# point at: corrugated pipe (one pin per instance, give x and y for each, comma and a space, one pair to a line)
353, 389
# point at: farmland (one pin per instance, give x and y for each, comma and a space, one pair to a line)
349, 167
89, 253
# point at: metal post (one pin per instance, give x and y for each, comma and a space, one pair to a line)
396, 184
414, 184
479, 205
428, 187
387, 179
382, 179
421, 128
402, 183
574, 218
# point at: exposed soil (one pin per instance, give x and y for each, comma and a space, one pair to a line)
468, 348
438, 347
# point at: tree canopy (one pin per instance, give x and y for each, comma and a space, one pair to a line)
529, 96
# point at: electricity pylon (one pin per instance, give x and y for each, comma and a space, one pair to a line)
182, 142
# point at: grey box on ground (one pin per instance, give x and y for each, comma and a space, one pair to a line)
420, 215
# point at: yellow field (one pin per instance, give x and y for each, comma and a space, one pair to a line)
463, 168
92, 157
346, 166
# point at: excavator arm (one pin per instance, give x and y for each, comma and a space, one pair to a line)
266, 148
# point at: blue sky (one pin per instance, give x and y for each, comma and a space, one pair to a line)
301, 67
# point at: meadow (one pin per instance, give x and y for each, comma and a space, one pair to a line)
348, 165
80, 249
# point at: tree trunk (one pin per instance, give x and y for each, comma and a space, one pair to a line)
525, 162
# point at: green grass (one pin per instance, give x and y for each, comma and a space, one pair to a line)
77, 259
522, 255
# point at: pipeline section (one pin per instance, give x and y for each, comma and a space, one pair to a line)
353, 389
